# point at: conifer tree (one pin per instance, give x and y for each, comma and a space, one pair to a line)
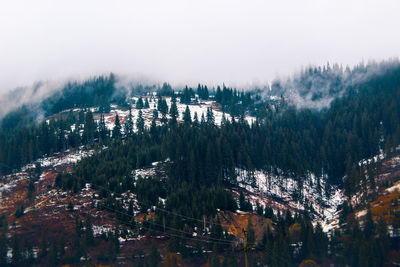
140, 122
146, 103
139, 103
186, 116
116, 133
154, 259
155, 114
16, 251
53, 255
31, 189
102, 129
173, 111
162, 105
369, 228
196, 120
128, 125
164, 119
202, 120
210, 117
89, 128
223, 120
3, 250
89, 231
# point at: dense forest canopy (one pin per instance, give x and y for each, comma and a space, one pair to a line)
294, 140
199, 159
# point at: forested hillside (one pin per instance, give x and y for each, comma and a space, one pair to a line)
194, 190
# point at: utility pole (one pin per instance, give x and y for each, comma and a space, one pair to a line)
245, 248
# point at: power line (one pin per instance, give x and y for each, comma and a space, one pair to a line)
226, 242
173, 229
215, 240
164, 210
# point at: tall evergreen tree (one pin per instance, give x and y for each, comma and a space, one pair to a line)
128, 125
210, 117
103, 131
16, 251
173, 111
140, 122
3, 250
89, 238
89, 128
187, 119
116, 133
369, 228
146, 103
155, 114
139, 103
196, 120
154, 259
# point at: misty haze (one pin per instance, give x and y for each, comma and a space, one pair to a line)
200, 133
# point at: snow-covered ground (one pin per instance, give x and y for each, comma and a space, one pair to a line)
67, 157
374, 159
10, 181
394, 188
199, 108
98, 230
70, 158
278, 191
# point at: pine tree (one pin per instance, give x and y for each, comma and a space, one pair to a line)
383, 240
146, 103
210, 117
139, 103
89, 128
164, 119
62, 245
321, 241
128, 125
53, 255
116, 133
186, 116
223, 120
217, 233
140, 123
43, 244
77, 248
154, 259
196, 120
78, 227
202, 120
16, 251
154, 130
173, 111
89, 231
155, 114
369, 228
3, 250
103, 131
259, 209
162, 105
28, 253
31, 189
244, 205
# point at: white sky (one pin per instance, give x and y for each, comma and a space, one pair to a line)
209, 41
